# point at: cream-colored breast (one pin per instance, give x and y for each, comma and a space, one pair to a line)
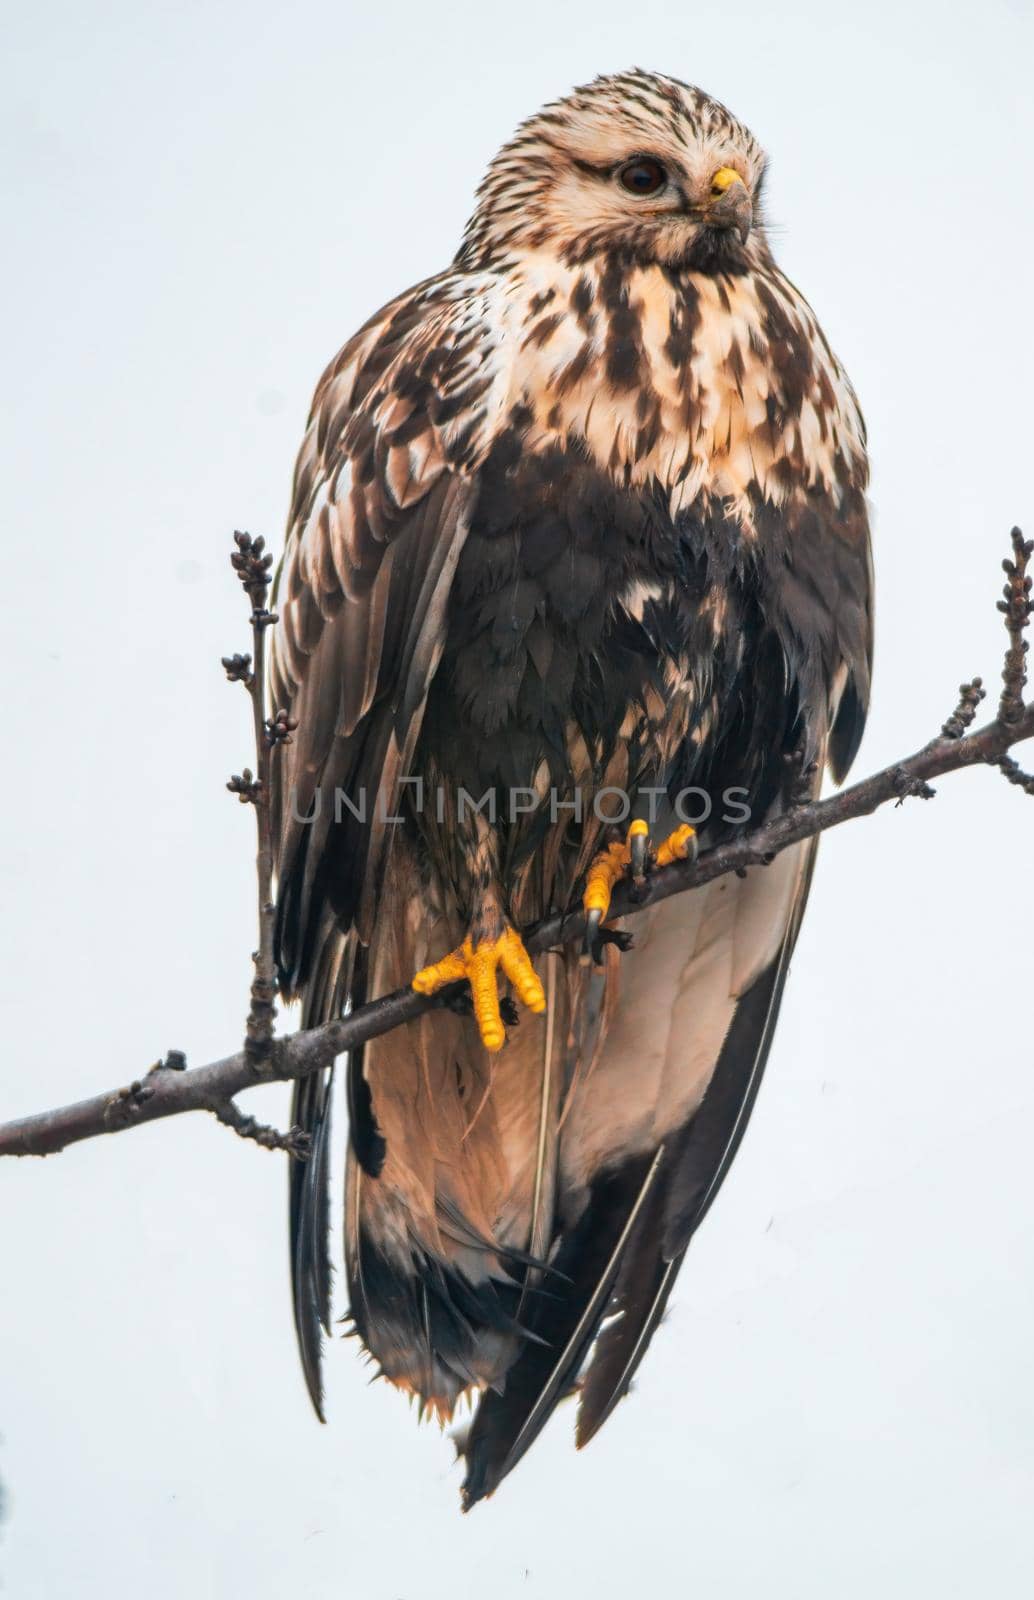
726, 384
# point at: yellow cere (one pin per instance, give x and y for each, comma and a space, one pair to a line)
724, 179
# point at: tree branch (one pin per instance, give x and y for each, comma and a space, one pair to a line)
252, 566
168, 1089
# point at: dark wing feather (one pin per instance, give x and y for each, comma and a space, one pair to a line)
705, 1152
700, 1157
640, 1297
366, 1138
309, 1181
848, 723
506, 1425
382, 489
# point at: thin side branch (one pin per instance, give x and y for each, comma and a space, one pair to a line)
168, 1090
295, 1141
1017, 606
252, 565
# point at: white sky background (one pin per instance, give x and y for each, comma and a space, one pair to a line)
204, 201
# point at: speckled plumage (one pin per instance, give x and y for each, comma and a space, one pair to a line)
586, 509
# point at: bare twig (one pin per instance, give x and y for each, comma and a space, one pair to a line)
295, 1141
252, 565
168, 1090
1017, 607
1012, 772
970, 696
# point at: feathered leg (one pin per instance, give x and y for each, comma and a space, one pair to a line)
447, 1243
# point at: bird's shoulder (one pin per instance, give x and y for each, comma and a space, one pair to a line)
410, 395
412, 399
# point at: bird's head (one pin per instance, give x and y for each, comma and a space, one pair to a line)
636, 163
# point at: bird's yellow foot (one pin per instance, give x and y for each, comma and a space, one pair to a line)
633, 857
479, 965
681, 845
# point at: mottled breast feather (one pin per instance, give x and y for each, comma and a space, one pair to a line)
698, 383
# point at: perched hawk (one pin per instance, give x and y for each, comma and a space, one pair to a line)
585, 512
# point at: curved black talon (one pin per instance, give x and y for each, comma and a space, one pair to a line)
462, 1002
596, 936
638, 850
508, 1010
592, 943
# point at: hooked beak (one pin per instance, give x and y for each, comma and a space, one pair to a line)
730, 205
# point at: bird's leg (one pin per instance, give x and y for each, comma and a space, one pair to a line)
633, 858
491, 943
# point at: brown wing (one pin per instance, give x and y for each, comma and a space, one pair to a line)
398, 425
382, 488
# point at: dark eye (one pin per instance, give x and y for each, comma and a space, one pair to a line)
643, 176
